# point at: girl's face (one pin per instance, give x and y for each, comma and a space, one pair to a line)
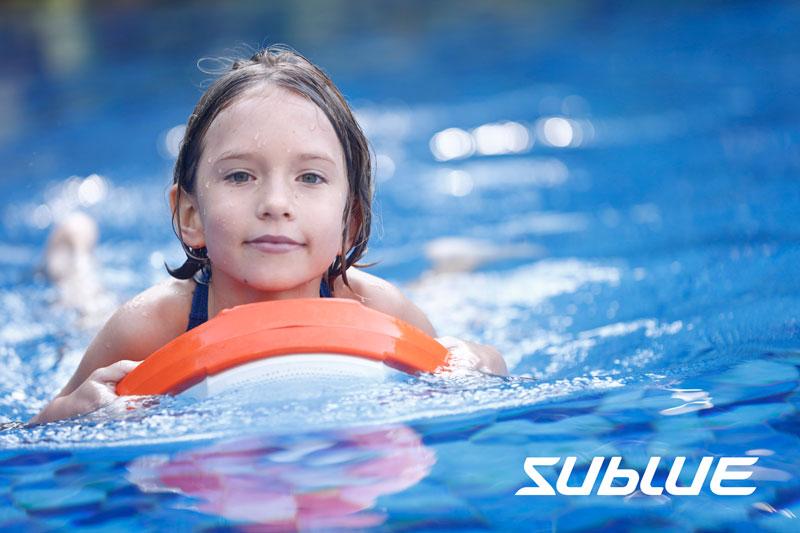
270, 194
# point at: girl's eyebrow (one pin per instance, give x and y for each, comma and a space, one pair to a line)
311, 156
233, 155
305, 156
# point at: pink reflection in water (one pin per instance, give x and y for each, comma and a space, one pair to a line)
293, 482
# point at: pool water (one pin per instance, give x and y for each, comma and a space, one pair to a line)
622, 183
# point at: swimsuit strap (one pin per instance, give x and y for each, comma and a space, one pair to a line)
324, 290
199, 312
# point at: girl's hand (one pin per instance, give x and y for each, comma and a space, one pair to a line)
98, 390
474, 356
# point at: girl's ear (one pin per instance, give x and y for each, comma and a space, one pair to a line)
187, 218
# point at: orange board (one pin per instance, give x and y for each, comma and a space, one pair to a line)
252, 332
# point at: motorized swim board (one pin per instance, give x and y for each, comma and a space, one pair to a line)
274, 341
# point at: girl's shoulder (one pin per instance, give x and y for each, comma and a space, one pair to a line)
139, 327
377, 293
148, 321
159, 313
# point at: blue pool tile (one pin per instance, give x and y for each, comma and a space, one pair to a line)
747, 415
679, 435
113, 526
621, 399
779, 518
10, 514
758, 373
586, 519
112, 515
452, 427
33, 459
583, 449
36, 471
98, 481
515, 430
714, 512
57, 498
521, 513
751, 380
470, 470
426, 502
27, 525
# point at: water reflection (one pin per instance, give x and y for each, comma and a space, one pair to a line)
169, 143
496, 138
501, 138
695, 400
452, 143
329, 480
509, 137
561, 132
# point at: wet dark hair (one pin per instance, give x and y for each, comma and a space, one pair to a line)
285, 68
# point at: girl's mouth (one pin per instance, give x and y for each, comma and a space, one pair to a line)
274, 244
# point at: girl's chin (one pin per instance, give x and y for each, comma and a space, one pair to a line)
291, 286
272, 288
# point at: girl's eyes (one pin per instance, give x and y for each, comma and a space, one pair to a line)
243, 177
238, 177
311, 178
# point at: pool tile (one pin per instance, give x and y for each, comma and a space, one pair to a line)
781, 519
10, 514
428, 501
718, 513
758, 373
521, 513
583, 449
517, 431
57, 498
622, 399
747, 415
469, 470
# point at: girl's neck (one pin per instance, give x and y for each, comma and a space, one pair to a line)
224, 293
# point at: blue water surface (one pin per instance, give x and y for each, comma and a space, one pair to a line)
607, 193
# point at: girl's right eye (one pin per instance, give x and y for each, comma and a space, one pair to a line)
238, 177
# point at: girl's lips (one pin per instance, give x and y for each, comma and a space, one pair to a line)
274, 247
274, 244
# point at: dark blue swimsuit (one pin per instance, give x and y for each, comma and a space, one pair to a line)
199, 313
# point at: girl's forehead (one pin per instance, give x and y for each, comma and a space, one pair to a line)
270, 103
271, 112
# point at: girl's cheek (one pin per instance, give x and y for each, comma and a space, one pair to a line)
219, 224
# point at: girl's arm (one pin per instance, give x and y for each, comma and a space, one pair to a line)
136, 330
381, 295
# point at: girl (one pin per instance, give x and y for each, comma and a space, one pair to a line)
271, 199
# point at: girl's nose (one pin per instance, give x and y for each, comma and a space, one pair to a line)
276, 200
